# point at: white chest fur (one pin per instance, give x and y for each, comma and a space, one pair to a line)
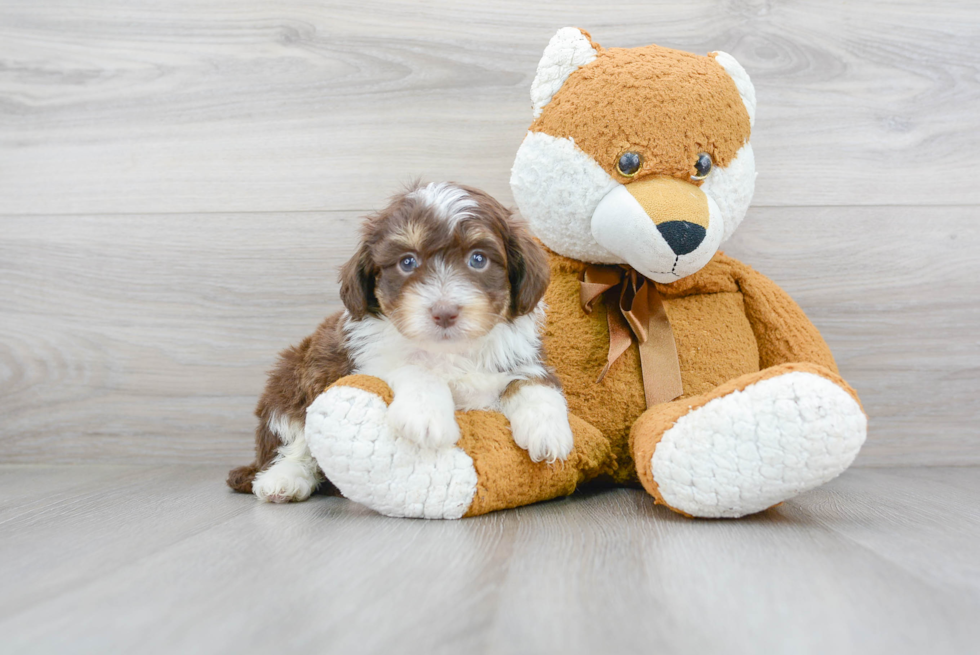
477, 371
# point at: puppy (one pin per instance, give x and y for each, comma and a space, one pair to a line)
443, 302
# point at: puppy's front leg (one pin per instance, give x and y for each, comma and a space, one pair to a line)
538, 416
423, 409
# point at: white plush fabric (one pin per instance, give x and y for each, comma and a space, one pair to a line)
749, 450
567, 51
557, 187
742, 82
348, 434
731, 188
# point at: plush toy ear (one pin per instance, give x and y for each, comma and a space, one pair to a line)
742, 81
569, 49
357, 279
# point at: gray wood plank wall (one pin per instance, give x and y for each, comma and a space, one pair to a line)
179, 182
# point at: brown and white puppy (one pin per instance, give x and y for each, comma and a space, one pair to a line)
443, 302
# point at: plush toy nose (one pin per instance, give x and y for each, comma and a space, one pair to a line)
682, 236
679, 210
445, 314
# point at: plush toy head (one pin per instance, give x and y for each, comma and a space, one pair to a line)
636, 156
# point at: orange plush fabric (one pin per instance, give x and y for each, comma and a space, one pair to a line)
617, 103
717, 328
507, 476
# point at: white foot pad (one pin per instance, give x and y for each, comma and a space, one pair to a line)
751, 449
348, 434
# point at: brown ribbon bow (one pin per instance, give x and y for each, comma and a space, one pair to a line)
638, 311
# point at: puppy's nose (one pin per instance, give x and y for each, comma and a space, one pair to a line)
682, 236
445, 314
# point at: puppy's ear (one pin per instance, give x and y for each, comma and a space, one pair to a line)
357, 279
527, 268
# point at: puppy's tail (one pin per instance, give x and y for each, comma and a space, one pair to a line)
240, 479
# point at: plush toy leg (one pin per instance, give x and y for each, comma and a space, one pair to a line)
750, 444
348, 434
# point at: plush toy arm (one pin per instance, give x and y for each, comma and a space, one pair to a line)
348, 432
783, 332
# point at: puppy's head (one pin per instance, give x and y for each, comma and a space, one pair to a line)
444, 262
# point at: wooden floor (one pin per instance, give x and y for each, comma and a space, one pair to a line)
165, 560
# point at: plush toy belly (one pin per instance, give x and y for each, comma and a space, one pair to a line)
714, 339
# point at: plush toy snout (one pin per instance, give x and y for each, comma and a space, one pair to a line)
665, 228
678, 209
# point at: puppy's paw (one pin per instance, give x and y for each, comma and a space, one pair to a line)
284, 482
426, 423
546, 439
538, 418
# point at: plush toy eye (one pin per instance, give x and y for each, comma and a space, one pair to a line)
478, 260
629, 164
408, 263
702, 167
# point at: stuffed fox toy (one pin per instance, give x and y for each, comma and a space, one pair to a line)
685, 371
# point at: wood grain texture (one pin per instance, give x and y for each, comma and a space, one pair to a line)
133, 339
127, 559
215, 106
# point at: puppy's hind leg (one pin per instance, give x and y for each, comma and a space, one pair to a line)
293, 475
266, 447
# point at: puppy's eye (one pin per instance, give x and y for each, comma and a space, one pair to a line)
408, 263
629, 164
702, 167
478, 260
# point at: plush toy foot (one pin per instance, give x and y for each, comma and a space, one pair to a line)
750, 444
349, 435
